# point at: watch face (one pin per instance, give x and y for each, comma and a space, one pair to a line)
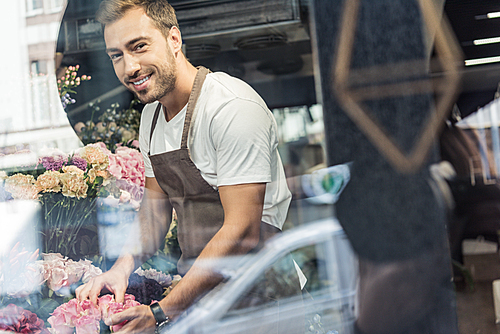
162, 327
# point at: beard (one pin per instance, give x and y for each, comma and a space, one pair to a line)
165, 77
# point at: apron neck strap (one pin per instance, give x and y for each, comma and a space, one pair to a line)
193, 98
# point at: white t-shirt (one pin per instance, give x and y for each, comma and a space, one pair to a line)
233, 140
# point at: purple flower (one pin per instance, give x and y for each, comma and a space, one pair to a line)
135, 190
144, 289
79, 162
53, 163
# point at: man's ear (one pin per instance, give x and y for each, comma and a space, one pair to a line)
175, 39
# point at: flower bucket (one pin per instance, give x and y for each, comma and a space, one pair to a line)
69, 225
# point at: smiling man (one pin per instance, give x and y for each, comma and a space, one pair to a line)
209, 144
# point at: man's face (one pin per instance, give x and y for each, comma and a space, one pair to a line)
141, 56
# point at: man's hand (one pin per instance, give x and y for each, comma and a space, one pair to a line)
139, 319
115, 280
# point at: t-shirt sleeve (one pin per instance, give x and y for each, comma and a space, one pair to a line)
244, 137
144, 128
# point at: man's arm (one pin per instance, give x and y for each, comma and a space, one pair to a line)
155, 216
243, 205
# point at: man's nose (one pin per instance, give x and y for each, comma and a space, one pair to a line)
132, 66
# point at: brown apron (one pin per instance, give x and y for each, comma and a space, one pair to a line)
200, 213
197, 203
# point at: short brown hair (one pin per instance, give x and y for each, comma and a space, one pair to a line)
159, 11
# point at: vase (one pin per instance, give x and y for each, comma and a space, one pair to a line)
69, 226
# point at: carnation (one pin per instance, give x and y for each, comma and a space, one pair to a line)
74, 185
22, 186
73, 169
50, 181
79, 162
53, 162
19, 179
95, 156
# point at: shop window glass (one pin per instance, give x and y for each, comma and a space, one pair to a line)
34, 7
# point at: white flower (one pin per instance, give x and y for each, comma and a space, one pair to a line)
160, 277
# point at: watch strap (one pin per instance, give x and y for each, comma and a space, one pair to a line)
158, 313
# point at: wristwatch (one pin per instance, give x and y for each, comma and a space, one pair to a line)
162, 321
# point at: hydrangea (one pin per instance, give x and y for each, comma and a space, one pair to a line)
127, 164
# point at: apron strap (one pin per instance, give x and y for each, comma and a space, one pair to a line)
153, 125
193, 98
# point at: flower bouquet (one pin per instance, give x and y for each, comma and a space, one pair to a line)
114, 127
67, 83
37, 294
67, 188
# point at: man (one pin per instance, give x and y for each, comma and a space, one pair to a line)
210, 150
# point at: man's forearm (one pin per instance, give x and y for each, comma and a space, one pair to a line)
202, 276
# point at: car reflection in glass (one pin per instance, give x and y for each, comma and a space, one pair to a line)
324, 304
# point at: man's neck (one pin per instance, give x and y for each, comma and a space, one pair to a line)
179, 97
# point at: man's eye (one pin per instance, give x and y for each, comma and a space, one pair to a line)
114, 57
140, 46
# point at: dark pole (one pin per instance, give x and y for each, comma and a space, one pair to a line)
393, 219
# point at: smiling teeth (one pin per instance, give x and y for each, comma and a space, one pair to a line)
141, 81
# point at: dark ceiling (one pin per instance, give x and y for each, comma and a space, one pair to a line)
469, 22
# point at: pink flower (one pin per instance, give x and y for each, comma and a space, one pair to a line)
127, 164
125, 197
18, 320
135, 143
19, 273
86, 325
110, 307
85, 316
60, 271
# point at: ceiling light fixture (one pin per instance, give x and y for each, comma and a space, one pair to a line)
480, 61
484, 41
493, 15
